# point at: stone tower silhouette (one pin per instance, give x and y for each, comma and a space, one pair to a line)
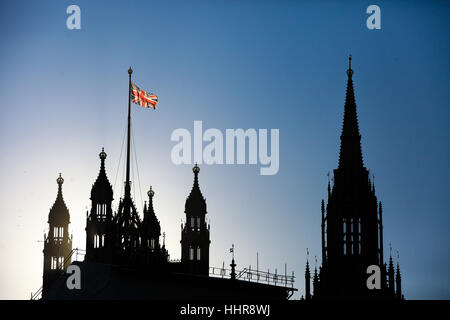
352, 227
195, 234
100, 227
154, 253
57, 244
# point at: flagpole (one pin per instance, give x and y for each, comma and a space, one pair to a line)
127, 183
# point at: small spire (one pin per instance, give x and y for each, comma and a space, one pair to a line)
130, 71
164, 239
350, 155
398, 280
233, 264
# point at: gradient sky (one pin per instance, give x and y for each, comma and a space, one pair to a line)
231, 64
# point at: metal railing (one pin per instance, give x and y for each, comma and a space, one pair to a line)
78, 254
252, 275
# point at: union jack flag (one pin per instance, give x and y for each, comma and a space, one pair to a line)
142, 98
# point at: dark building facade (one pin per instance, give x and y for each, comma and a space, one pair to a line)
352, 225
124, 258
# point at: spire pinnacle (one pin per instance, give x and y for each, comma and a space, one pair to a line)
60, 180
350, 153
350, 70
150, 193
196, 169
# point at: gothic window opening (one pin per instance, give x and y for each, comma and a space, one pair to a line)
61, 262
352, 230
152, 244
101, 211
359, 236
58, 232
191, 253
96, 241
198, 224
192, 223
198, 253
344, 232
53, 264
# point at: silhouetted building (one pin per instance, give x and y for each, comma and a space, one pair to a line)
352, 225
57, 243
125, 260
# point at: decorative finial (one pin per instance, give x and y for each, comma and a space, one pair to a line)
232, 251
150, 192
390, 249
102, 154
350, 70
164, 239
60, 180
196, 169
130, 71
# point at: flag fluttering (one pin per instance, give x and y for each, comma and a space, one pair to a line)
143, 98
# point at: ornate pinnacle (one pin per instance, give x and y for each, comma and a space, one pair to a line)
60, 180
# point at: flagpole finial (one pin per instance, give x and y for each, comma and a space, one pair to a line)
130, 71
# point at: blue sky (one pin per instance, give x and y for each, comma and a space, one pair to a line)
231, 64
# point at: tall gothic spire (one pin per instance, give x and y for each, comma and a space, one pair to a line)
398, 280
350, 155
307, 278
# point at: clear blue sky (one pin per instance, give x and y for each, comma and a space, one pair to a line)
231, 64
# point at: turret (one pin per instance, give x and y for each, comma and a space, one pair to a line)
57, 244
195, 239
100, 231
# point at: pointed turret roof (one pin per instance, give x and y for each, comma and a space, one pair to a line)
150, 223
59, 214
195, 201
350, 155
102, 190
